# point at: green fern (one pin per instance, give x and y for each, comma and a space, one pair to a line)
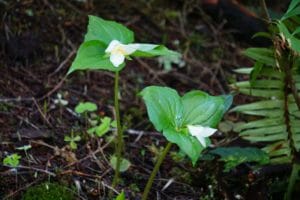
274, 82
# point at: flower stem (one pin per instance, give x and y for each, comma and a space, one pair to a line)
119, 143
155, 170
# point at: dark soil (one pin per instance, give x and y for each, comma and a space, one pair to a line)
39, 40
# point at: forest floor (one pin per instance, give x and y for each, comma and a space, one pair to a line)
39, 40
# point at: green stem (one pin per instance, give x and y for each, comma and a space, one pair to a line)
265, 11
119, 144
292, 181
155, 170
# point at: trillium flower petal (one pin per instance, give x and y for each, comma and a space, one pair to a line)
201, 132
117, 59
146, 47
130, 48
112, 45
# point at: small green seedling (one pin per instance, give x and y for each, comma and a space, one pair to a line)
125, 164
85, 107
12, 160
101, 129
72, 140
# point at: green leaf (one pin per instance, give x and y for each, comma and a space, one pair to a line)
187, 143
77, 138
73, 145
292, 40
104, 127
106, 31
85, 107
263, 55
255, 72
91, 56
151, 50
246, 70
201, 108
124, 166
67, 139
121, 196
12, 160
234, 156
164, 107
293, 9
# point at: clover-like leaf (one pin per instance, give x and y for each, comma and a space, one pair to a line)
124, 165
85, 107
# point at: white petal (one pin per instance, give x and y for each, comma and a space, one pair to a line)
130, 48
117, 59
146, 47
202, 141
112, 45
201, 132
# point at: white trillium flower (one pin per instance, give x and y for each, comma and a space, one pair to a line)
118, 51
201, 132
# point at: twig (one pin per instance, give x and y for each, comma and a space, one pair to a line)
41, 112
64, 62
37, 169
54, 89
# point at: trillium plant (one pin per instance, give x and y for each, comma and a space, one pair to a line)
186, 121
106, 46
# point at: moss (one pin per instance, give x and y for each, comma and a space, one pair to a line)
48, 191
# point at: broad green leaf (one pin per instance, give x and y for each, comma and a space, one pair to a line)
263, 55
106, 31
91, 56
85, 107
201, 108
164, 107
234, 156
124, 166
151, 50
187, 143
